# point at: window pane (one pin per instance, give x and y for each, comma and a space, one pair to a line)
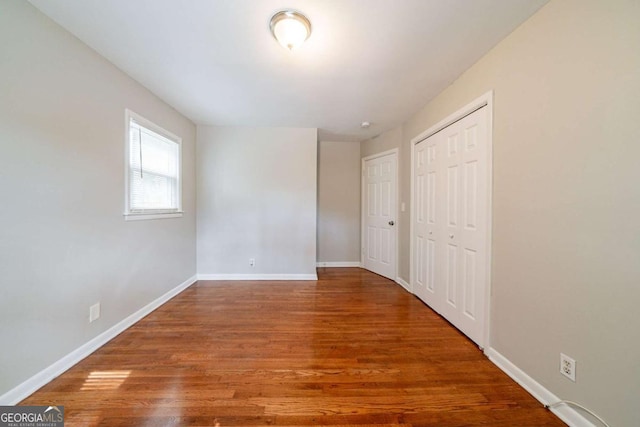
152, 191
153, 170
158, 154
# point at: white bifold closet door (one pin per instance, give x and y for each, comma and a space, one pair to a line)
451, 223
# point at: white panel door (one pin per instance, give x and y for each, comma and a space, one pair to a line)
427, 217
379, 206
471, 231
451, 222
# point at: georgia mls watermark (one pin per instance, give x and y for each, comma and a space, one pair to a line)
31, 416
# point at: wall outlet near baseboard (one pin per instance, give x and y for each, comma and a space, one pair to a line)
94, 312
252, 262
568, 367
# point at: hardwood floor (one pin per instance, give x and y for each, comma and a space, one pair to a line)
352, 348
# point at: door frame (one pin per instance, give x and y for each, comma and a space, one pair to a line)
482, 101
396, 152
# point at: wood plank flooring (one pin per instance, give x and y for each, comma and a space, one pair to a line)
352, 348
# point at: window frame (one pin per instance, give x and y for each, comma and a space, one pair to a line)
133, 215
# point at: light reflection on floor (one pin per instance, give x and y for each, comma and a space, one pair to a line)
104, 380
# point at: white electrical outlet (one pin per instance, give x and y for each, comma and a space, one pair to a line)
568, 367
94, 312
252, 262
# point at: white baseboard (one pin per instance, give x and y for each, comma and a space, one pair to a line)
27, 388
400, 281
338, 264
567, 414
257, 277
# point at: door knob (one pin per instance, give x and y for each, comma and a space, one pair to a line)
451, 236
391, 223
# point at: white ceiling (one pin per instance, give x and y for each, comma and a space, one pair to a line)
216, 62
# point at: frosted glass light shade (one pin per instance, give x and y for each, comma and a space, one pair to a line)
290, 28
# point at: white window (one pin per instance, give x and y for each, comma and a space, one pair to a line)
153, 172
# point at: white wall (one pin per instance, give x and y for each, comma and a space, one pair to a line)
338, 202
384, 142
256, 199
64, 244
566, 199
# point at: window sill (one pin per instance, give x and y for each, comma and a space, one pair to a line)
139, 217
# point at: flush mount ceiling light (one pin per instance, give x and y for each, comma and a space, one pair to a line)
290, 28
